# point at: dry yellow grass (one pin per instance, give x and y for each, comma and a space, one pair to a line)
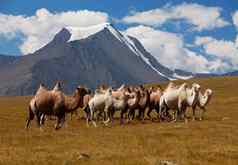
212, 141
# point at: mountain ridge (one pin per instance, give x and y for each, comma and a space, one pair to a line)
96, 59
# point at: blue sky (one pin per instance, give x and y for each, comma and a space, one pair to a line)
205, 31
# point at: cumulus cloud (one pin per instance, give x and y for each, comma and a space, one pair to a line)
169, 49
201, 17
235, 22
40, 28
225, 51
235, 19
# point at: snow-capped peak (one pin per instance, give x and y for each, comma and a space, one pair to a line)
78, 33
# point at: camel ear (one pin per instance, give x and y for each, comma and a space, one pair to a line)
78, 87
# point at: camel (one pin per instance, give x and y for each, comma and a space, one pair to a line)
155, 94
57, 86
173, 98
179, 98
72, 103
115, 93
132, 103
143, 102
119, 104
101, 102
47, 102
202, 102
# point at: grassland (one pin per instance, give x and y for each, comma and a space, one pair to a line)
212, 141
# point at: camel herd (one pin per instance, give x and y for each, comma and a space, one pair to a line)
170, 104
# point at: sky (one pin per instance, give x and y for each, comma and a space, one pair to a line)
197, 36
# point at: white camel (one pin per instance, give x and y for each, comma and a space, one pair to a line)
179, 98
202, 102
101, 103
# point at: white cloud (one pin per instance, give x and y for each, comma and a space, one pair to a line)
202, 17
235, 19
202, 40
169, 49
235, 22
40, 28
225, 51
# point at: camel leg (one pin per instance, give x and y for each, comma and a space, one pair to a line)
121, 118
57, 125
71, 116
107, 118
148, 112
140, 113
62, 120
194, 114
29, 118
143, 114
38, 119
92, 119
202, 111
42, 119
161, 109
184, 108
175, 115
87, 112
130, 115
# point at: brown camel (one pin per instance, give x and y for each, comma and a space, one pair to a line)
155, 94
47, 102
72, 103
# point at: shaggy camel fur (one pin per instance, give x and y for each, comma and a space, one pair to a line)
119, 104
202, 101
179, 98
173, 98
155, 94
72, 103
133, 102
49, 103
143, 102
101, 102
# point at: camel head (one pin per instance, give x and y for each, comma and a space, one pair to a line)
109, 91
196, 87
103, 87
81, 91
208, 92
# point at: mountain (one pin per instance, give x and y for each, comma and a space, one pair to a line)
89, 56
234, 73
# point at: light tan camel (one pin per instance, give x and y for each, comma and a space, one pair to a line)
155, 94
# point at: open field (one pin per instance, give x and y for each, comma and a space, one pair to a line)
212, 141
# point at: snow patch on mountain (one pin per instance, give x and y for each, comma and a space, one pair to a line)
182, 77
78, 33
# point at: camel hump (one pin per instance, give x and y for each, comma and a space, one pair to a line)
171, 85
57, 86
